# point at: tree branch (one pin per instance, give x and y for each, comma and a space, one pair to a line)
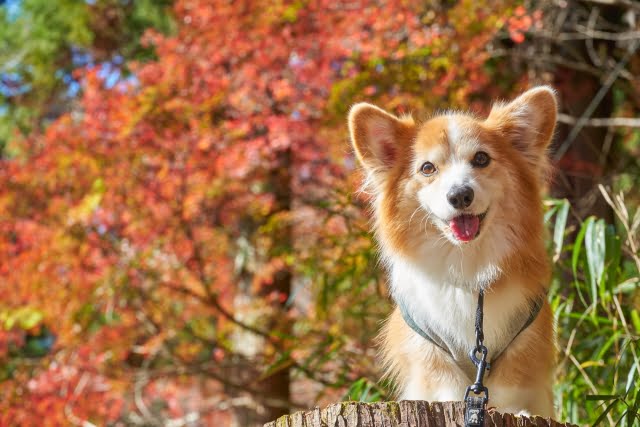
606, 85
630, 122
627, 3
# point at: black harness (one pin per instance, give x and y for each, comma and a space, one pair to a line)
429, 334
476, 363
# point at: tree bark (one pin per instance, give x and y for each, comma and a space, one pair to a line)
270, 395
414, 413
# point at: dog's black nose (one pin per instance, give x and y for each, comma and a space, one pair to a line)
460, 197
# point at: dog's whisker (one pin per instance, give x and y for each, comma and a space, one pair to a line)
413, 214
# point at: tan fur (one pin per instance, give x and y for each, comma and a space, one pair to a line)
516, 135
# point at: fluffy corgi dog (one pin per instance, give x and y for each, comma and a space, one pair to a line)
457, 207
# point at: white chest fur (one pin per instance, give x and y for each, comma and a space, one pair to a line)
439, 298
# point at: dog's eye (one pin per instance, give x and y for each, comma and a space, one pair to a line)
481, 159
428, 169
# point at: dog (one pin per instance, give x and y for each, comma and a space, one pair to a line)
457, 207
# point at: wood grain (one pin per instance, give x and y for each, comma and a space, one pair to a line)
402, 414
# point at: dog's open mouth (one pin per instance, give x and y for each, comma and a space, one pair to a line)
466, 227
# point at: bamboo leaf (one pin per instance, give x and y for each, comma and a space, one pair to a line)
595, 249
605, 412
559, 229
602, 397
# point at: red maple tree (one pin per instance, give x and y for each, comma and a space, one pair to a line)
187, 239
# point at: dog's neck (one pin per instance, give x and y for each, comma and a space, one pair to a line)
437, 262
438, 297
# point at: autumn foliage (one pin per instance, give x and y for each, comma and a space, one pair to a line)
191, 231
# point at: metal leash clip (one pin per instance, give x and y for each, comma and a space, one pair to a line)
475, 405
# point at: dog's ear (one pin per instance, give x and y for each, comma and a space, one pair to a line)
379, 138
528, 121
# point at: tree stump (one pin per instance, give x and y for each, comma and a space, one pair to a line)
414, 413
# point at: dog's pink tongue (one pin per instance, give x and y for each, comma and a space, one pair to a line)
465, 227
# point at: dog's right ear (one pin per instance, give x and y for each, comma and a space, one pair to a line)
378, 137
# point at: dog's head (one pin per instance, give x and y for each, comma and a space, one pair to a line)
456, 179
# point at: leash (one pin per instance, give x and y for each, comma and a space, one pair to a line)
477, 394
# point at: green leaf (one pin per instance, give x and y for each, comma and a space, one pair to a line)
605, 412
632, 412
560, 225
606, 346
613, 252
575, 257
630, 377
549, 214
577, 246
602, 397
363, 390
595, 244
635, 319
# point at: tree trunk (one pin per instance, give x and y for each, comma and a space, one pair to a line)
270, 395
414, 413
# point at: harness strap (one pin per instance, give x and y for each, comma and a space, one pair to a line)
424, 334
534, 310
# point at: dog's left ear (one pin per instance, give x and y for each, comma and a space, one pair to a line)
528, 121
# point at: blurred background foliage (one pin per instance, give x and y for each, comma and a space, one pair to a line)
181, 233
42, 42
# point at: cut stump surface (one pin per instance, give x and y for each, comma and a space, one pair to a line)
406, 413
